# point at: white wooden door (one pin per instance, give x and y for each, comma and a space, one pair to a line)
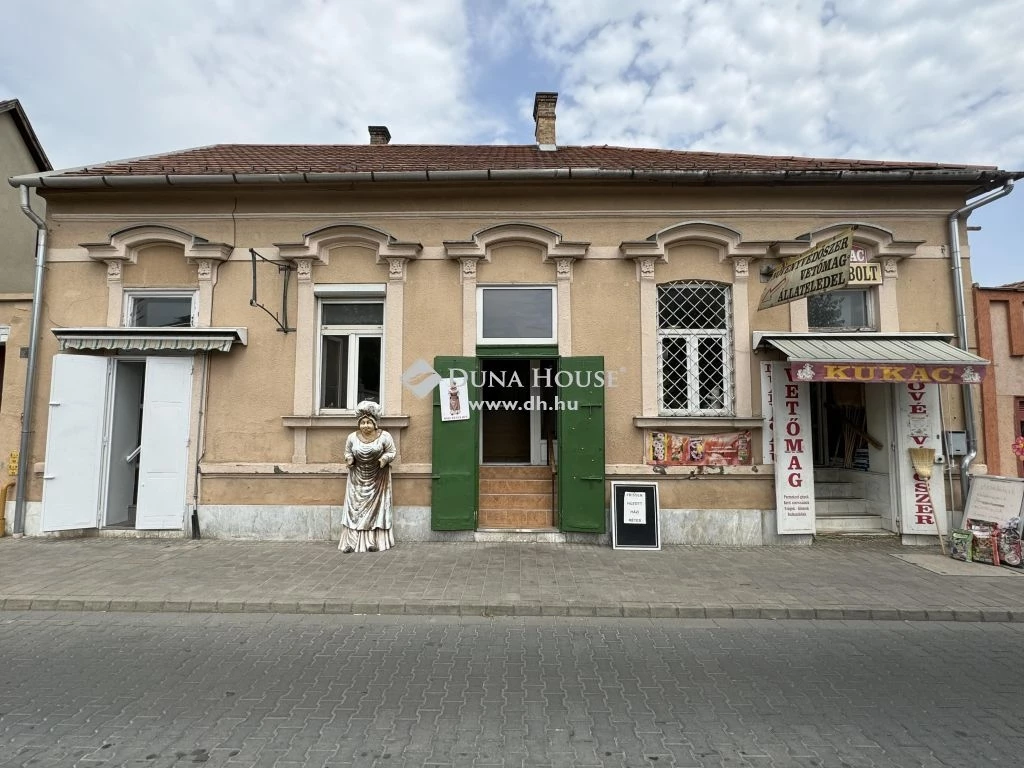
163, 463
74, 443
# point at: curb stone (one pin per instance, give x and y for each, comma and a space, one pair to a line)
532, 609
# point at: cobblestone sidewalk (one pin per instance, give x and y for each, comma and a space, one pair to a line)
829, 580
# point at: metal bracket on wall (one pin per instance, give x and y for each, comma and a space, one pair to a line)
285, 267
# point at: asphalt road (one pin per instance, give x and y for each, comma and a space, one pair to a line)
93, 689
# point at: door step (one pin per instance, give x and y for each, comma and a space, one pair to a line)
849, 524
515, 497
519, 535
134, 533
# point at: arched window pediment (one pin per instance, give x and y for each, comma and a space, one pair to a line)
549, 241
317, 244
124, 244
880, 241
727, 241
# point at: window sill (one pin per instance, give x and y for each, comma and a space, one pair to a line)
340, 421
654, 422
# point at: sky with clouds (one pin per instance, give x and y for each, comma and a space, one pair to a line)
933, 80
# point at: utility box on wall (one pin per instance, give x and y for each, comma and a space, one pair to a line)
956, 443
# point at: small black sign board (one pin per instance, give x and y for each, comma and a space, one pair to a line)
635, 523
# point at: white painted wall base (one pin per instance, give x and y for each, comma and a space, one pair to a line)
725, 527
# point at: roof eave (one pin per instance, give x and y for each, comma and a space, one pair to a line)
986, 178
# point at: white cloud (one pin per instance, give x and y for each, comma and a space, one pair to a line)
135, 78
915, 79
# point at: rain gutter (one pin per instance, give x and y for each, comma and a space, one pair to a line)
970, 431
58, 180
30, 377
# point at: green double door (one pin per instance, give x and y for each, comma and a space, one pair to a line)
581, 462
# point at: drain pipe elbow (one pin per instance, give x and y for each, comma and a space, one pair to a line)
25, 445
970, 431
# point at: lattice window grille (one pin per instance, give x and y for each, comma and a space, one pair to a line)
695, 362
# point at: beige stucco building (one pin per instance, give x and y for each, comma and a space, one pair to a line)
213, 316
20, 153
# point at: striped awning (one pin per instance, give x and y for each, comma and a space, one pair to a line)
150, 339
868, 357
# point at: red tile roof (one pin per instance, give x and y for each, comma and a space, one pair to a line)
361, 158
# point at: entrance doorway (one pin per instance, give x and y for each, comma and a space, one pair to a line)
122, 477
517, 443
851, 423
117, 443
518, 423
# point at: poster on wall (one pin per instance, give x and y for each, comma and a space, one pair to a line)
724, 449
794, 462
922, 498
454, 394
768, 412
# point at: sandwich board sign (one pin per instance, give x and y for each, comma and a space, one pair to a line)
635, 523
821, 269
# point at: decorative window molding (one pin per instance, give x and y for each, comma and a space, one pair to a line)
654, 250
880, 241
314, 250
317, 244
695, 350
554, 249
728, 241
123, 247
124, 244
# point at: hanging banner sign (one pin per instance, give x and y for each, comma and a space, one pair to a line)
794, 461
821, 269
888, 373
726, 449
768, 412
919, 425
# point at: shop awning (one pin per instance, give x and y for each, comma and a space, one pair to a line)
151, 339
875, 357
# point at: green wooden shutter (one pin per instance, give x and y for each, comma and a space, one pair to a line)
455, 458
581, 445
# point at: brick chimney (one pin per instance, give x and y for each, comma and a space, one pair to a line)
379, 134
544, 118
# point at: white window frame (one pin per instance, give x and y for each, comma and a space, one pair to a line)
520, 341
693, 337
870, 311
354, 332
131, 294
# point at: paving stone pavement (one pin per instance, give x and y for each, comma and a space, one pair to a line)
102, 690
828, 580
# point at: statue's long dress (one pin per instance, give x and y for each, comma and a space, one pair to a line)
366, 516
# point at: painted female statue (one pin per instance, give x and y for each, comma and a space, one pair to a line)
366, 517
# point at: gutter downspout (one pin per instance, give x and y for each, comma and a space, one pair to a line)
961, 327
30, 377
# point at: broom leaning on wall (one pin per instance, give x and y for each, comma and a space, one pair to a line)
923, 459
